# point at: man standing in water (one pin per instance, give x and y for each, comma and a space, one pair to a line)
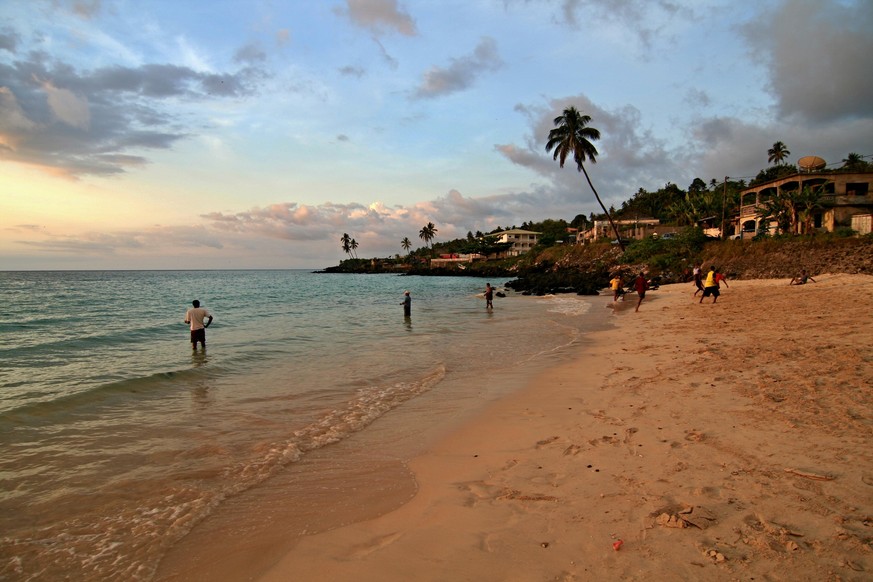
195, 317
407, 304
489, 296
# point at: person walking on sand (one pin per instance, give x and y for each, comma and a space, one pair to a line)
407, 304
195, 317
617, 291
698, 280
641, 285
801, 279
710, 287
489, 296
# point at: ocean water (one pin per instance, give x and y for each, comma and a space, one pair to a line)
117, 438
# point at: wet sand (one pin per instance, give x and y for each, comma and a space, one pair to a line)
720, 442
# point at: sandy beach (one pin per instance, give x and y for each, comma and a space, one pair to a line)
720, 442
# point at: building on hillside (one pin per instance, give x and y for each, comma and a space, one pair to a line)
459, 259
522, 240
637, 229
845, 195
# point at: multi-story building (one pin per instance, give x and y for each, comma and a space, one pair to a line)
847, 198
522, 240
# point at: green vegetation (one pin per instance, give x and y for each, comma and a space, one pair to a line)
777, 154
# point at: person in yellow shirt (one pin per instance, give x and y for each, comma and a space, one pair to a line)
617, 291
710, 286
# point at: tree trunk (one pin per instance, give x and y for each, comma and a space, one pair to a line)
605, 211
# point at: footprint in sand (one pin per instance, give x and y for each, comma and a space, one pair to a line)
374, 545
479, 491
694, 436
547, 441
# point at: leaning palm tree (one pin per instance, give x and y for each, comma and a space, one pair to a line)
406, 244
353, 245
347, 243
571, 136
777, 154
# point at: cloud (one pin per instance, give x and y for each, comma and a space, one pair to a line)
87, 9
818, 53
379, 16
386, 56
629, 157
67, 106
75, 123
376, 223
122, 242
350, 71
697, 98
250, 54
9, 40
727, 146
461, 73
644, 20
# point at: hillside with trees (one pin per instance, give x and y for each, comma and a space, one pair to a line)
555, 265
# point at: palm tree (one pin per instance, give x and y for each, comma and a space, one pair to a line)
347, 243
777, 154
808, 203
353, 244
571, 136
406, 244
427, 233
853, 162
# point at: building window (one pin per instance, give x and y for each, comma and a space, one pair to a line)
857, 189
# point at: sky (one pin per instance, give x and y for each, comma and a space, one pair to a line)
251, 134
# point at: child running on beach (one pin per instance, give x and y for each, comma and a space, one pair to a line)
698, 280
710, 287
617, 291
641, 285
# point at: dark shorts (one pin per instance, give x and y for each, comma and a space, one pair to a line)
707, 291
641, 294
198, 335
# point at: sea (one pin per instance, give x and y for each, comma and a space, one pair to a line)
119, 442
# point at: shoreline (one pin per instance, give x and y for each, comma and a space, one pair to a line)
366, 474
715, 441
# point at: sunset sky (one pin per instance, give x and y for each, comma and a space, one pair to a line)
169, 134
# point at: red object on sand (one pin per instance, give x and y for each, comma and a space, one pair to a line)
616, 545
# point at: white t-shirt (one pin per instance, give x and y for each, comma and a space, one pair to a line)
196, 315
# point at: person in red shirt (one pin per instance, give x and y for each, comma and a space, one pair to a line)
641, 285
720, 278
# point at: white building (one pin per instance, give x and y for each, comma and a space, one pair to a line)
522, 240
